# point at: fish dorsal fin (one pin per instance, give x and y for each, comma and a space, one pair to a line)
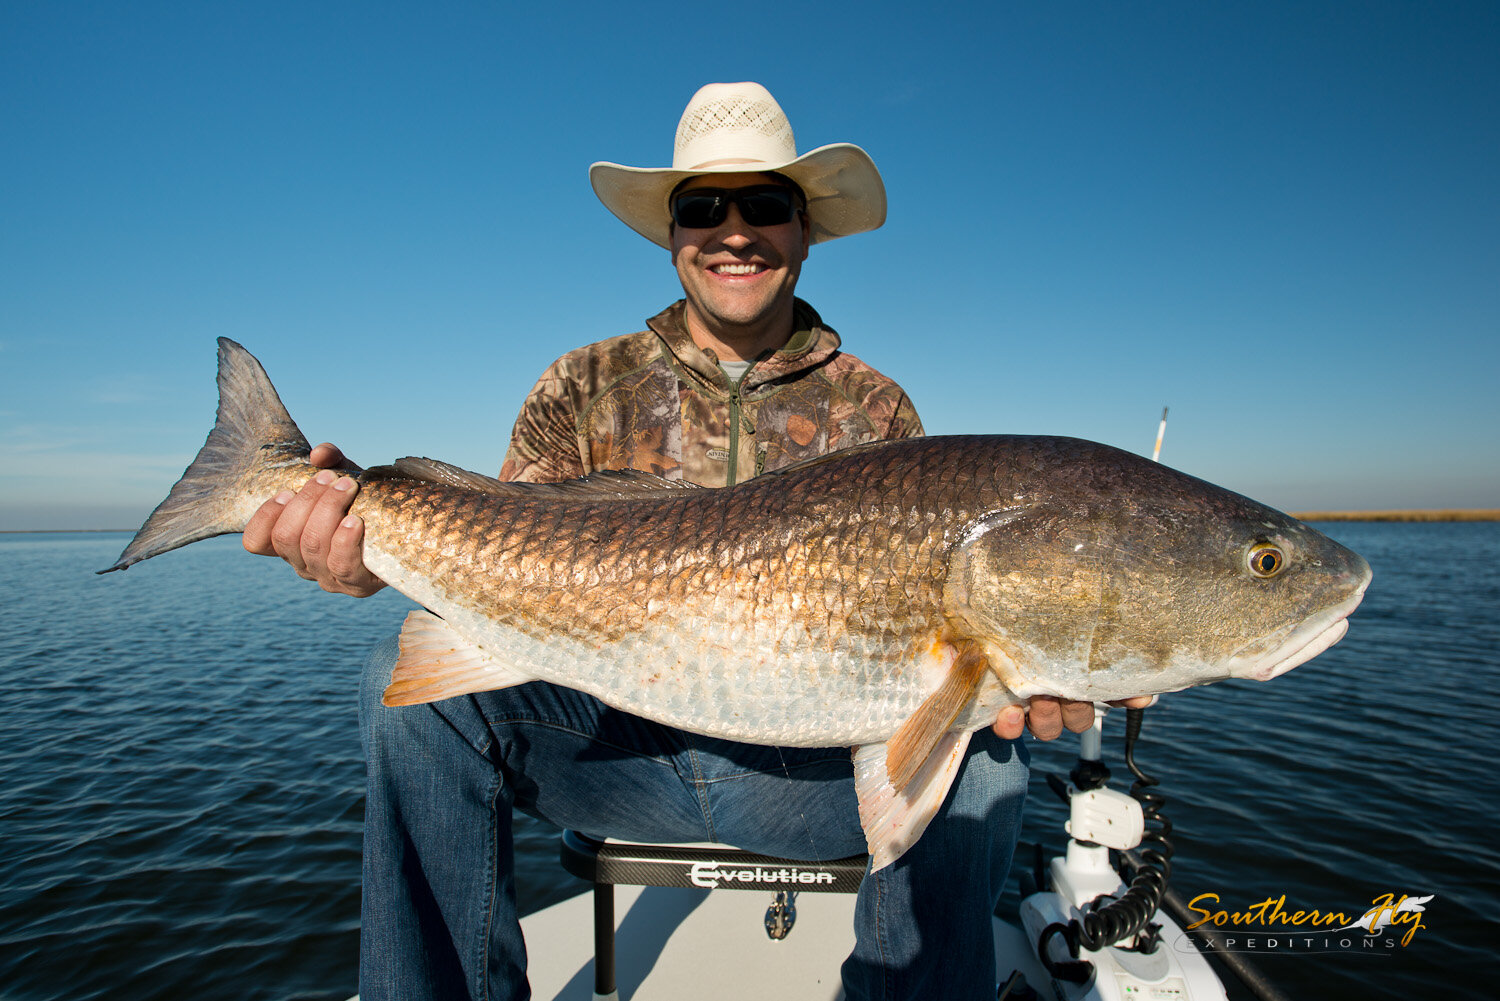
914, 741
436, 663
620, 484
834, 456
416, 467
893, 821
623, 483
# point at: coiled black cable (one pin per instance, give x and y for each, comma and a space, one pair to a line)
1156, 843
1131, 912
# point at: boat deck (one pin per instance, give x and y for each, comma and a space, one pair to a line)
673, 944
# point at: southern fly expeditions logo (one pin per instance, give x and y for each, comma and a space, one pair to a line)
1272, 925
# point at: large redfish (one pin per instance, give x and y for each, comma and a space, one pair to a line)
891, 597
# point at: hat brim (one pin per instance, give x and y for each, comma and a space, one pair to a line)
845, 194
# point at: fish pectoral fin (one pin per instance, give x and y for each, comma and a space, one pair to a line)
436, 663
892, 820
902, 783
914, 741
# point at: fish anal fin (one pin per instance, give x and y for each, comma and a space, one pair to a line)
892, 820
915, 740
436, 663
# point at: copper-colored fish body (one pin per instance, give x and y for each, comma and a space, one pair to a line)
780, 605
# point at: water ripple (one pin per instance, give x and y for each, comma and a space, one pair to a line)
181, 785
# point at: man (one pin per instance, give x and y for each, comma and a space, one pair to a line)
737, 378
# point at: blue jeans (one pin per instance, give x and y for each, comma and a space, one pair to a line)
439, 908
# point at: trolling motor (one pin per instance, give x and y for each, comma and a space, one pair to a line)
1097, 937
1103, 819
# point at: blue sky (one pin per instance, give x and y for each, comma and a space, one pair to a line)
1279, 219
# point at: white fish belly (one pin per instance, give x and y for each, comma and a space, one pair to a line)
730, 674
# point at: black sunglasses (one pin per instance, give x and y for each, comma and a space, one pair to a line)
760, 205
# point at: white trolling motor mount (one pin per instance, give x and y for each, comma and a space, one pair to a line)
1097, 938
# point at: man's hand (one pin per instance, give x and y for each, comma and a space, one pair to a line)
314, 532
1047, 715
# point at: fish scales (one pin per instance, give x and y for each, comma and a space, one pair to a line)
891, 597
835, 603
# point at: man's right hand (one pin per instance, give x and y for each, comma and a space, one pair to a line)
313, 530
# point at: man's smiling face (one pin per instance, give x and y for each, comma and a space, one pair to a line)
739, 279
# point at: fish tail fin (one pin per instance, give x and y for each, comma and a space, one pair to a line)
252, 433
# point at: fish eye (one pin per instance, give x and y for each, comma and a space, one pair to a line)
1265, 559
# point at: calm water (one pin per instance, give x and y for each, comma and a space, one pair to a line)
180, 777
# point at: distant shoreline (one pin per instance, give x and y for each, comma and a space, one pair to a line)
1458, 514
1417, 514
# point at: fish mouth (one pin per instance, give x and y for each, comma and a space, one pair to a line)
1322, 641
1304, 642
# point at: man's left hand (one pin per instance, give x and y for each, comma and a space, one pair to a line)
1047, 715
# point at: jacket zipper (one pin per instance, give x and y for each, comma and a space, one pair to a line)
736, 418
734, 431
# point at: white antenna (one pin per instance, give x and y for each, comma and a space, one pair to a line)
1161, 433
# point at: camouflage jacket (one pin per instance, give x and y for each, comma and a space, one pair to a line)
656, 401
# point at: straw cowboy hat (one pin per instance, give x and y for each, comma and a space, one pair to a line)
738, 128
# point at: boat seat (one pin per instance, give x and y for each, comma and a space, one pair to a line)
703, 865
